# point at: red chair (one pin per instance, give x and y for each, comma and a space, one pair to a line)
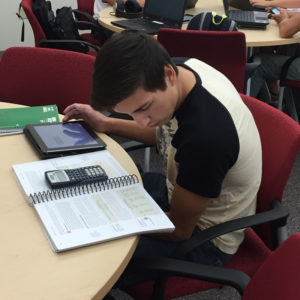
276, 279
223, 50
86, 9
38, 76
40, 36
280, 138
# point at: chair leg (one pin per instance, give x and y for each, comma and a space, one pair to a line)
280, 97
147, 159
265, 93
290, 103
248, 86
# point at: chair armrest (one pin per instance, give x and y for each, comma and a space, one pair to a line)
251, 66
133, 145
88, 24
91, 24
78, 12
174, 267
277, 215
45, 42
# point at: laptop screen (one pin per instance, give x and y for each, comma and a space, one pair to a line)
165, 10
241, 4
226, 6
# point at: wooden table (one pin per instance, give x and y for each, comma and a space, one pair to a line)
254, 38
30, 270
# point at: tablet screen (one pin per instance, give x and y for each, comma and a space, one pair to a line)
59, 139
65, 135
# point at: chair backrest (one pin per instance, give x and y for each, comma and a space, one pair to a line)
86, 6
38, 76
223, 50
38, 31
280, 139
279, 276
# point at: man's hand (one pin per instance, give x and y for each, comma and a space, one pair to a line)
288, 22
186, 209
85, 112
280, 17
101, 123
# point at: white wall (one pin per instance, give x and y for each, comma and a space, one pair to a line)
10, 25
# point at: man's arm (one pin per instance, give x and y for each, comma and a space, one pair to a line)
288, 23
186, 209
111, 2
102, 123
277, 3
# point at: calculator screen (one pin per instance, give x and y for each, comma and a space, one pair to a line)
65, 135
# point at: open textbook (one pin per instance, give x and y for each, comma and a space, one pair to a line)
83, 215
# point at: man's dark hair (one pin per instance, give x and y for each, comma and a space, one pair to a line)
127, 61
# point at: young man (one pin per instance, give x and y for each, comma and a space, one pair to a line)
201, 127
271, 63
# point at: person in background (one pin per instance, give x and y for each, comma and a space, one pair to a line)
202, 129
99, 5
291, 4
103, 33
271, 63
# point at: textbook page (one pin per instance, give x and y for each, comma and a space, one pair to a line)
93, 218
31, 175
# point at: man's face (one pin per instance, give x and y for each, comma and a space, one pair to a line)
151, 109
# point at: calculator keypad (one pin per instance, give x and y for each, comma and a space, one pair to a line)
86, 174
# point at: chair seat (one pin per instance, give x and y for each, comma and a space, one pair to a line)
179, 286
89, 38
252, 247
93, 53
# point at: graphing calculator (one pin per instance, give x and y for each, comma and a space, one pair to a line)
68, 177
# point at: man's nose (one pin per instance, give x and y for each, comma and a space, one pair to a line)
143, 121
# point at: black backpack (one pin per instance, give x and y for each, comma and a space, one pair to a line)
212, 21
59, 27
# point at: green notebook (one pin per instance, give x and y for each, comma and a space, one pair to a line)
13, 120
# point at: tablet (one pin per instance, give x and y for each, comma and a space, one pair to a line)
60, 139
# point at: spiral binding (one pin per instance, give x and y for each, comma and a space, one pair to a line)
77, 190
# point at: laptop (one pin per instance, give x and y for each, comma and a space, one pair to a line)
247, 19
157, 14
190, 4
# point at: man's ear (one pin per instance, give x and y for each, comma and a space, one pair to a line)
170, 74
